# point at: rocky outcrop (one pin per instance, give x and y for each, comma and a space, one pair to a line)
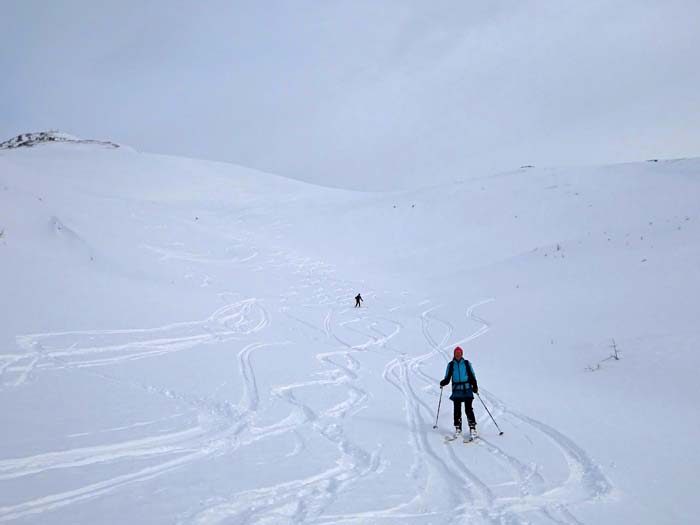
28, 140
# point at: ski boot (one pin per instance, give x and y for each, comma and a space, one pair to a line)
457, 434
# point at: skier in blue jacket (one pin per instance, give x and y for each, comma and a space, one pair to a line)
464, 386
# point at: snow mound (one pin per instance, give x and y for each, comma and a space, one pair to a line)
29, 140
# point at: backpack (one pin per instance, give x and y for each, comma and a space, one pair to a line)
469, 375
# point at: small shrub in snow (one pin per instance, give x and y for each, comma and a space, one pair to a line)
615, 355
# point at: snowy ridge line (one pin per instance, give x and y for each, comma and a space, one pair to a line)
88, 348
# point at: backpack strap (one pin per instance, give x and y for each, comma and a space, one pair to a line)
471, 380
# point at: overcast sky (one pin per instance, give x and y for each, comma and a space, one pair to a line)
361, 93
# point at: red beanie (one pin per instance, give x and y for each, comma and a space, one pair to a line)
458, 349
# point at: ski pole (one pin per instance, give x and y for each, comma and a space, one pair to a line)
438, 412
500, 432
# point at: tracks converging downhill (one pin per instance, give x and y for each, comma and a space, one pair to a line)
390, 356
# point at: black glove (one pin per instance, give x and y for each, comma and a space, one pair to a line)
476, 389
444, 382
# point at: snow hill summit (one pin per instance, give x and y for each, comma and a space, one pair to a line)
180, 343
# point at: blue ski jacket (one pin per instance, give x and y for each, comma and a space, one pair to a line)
463, 379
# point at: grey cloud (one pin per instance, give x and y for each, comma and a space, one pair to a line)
375, 94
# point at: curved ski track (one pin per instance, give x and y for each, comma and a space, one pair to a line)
439, 470
439, 473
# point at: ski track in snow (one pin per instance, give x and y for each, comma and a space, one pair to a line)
169, 253
105, 347
222, 430
469, 498
437, 471
300, 500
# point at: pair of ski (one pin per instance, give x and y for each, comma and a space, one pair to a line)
466, 438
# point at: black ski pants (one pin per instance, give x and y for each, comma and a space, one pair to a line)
467, 409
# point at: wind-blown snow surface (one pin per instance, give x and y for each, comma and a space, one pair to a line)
179, 344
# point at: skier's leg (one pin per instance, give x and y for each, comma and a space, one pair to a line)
470, 412
457, 414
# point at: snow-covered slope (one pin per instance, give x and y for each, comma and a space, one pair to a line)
178, 344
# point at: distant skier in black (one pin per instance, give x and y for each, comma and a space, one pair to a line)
464, 386
358, 300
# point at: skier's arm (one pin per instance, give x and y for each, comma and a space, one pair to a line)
448, 376
472, 380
